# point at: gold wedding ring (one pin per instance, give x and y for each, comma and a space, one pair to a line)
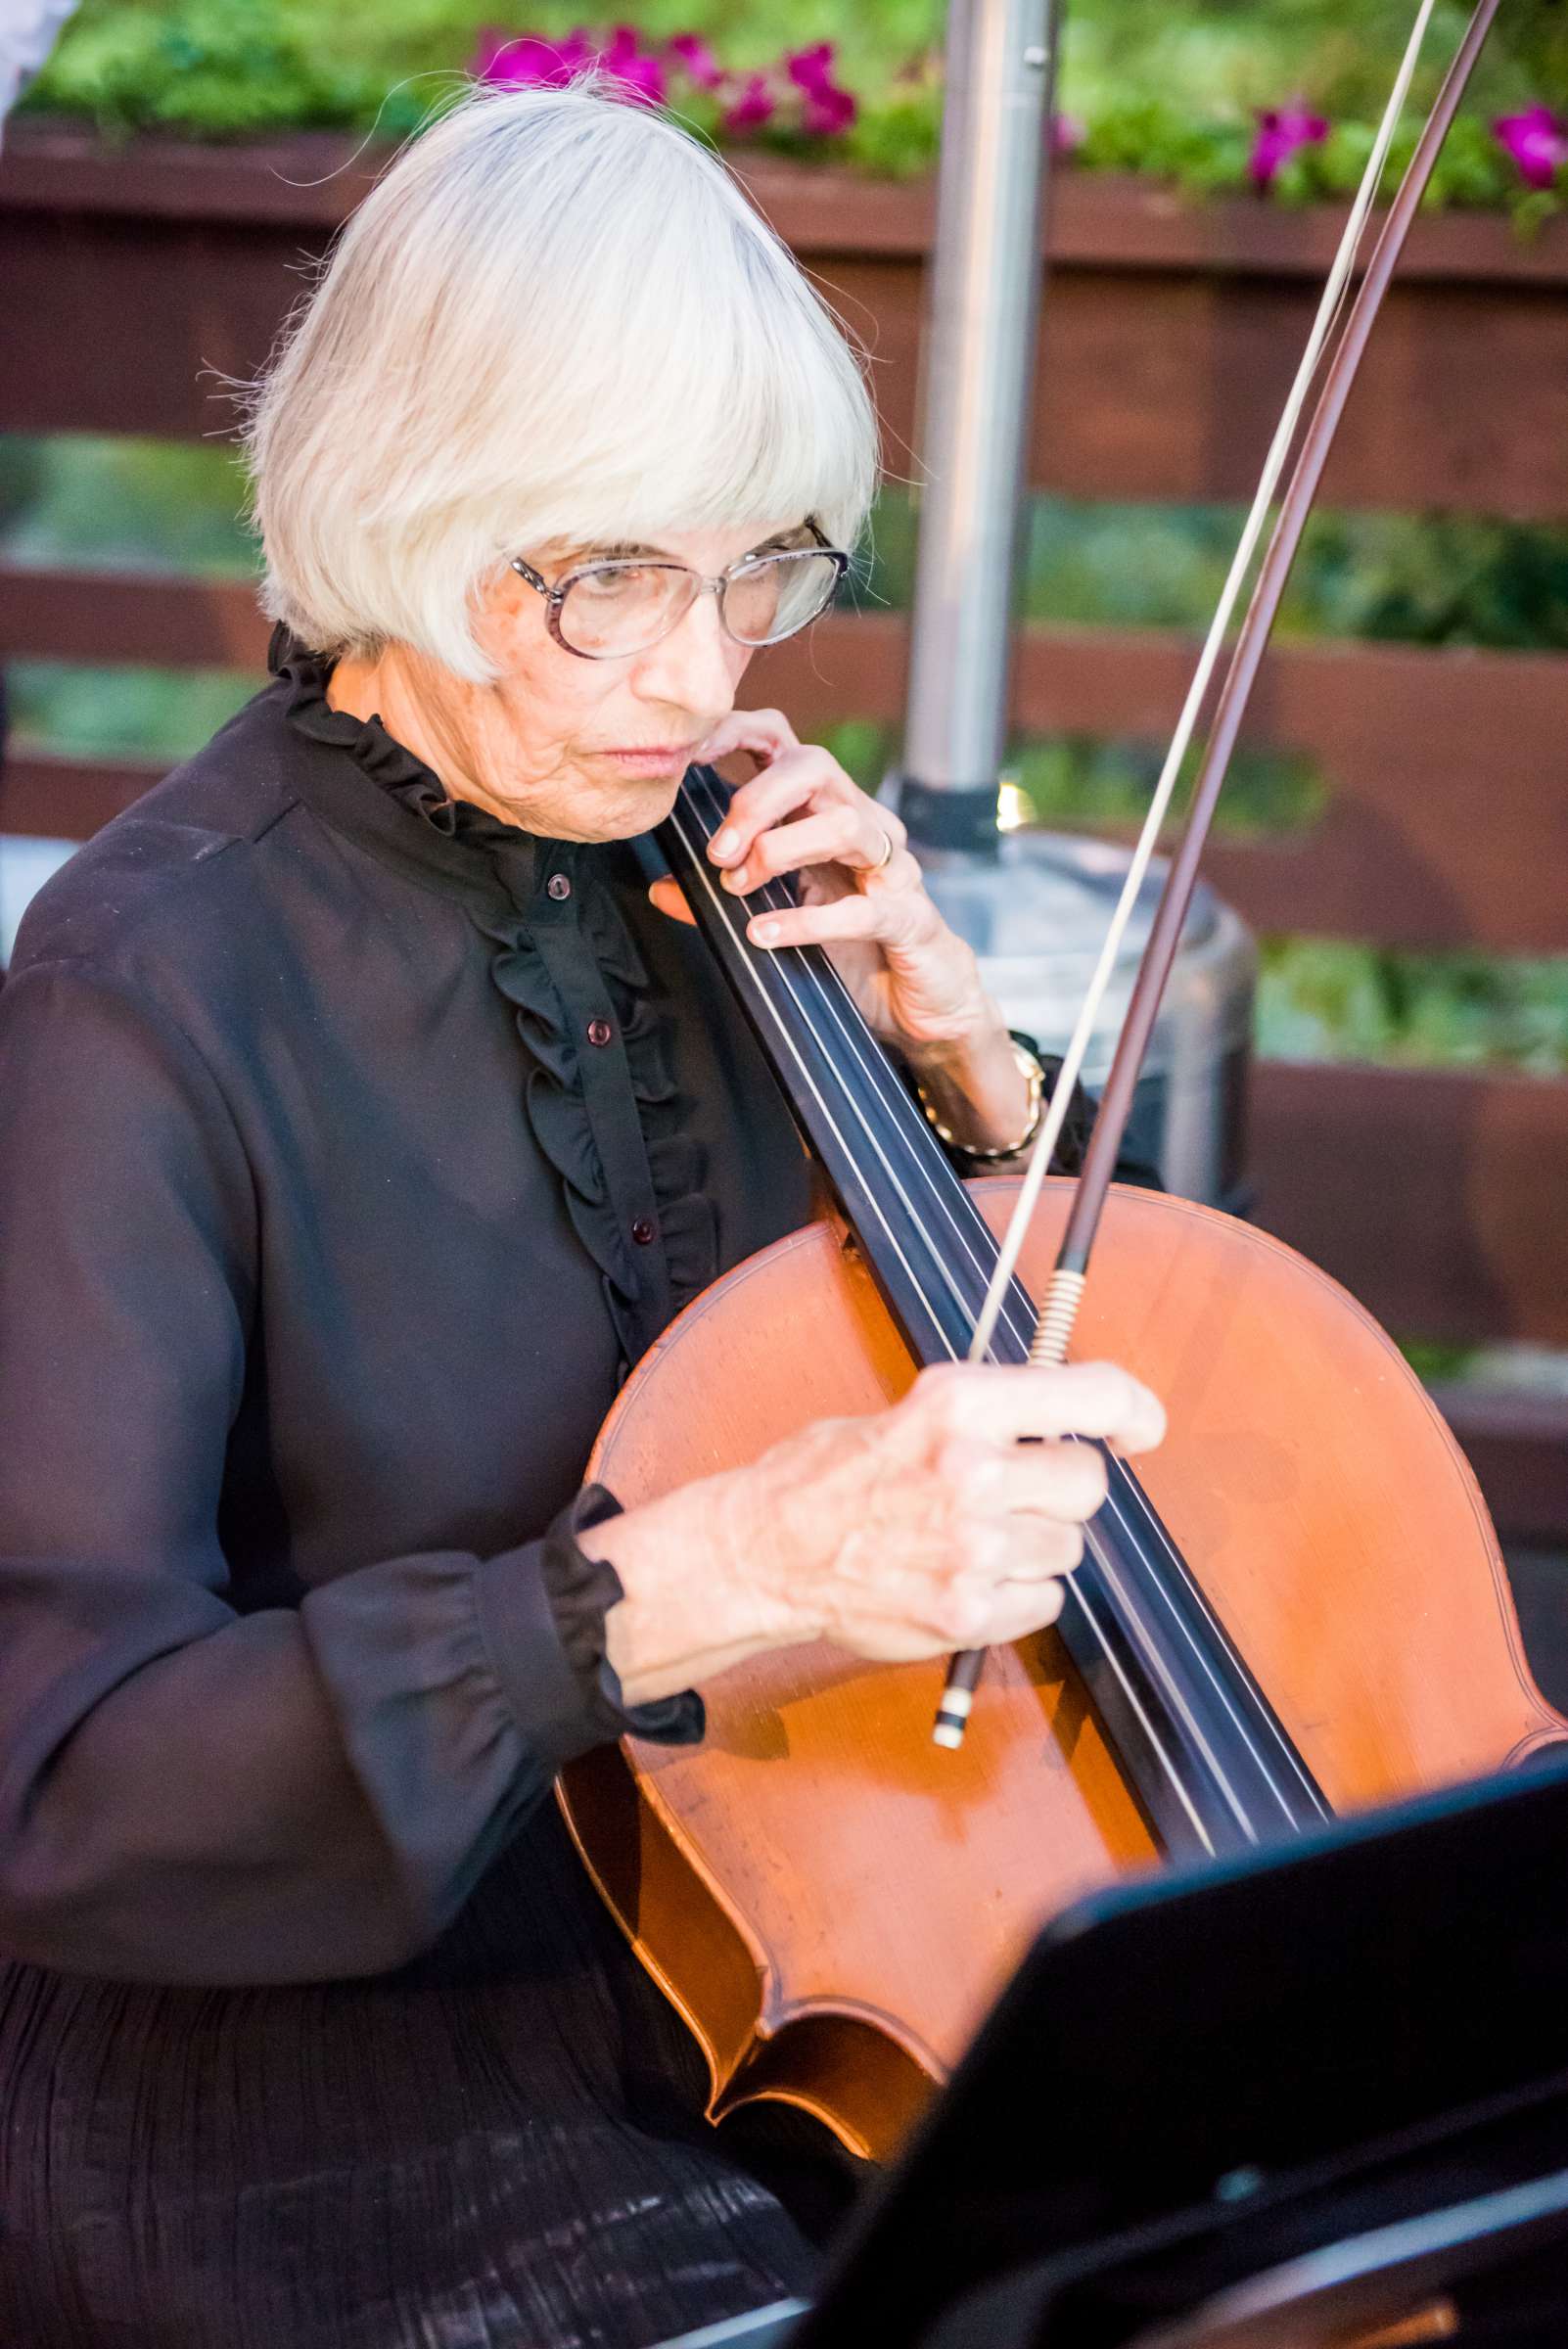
887, 852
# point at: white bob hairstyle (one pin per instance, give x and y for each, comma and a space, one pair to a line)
555, 318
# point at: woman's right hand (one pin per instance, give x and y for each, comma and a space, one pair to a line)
912, 1532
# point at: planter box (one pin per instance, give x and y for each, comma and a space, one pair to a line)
1169, 331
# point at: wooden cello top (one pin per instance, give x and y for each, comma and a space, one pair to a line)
832, 1900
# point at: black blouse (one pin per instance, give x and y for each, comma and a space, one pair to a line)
352, 1144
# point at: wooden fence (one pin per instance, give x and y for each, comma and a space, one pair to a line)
134, 280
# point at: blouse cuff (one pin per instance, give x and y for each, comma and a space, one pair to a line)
562, 1683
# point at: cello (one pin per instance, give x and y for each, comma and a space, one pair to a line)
1298, 1607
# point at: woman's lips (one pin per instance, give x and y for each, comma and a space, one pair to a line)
655, 760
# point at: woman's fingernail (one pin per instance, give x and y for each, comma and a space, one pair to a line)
726, 844
764, 933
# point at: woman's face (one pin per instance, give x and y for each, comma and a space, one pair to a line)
562, 745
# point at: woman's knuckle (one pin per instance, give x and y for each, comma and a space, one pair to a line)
937, 1392
955, 1462
1052, 1599
1093, 1477
1067, 1548
963, 1614
980, 1546
1113, 1387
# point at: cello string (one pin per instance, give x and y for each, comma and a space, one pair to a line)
1205, 1663
700, 868
788, 975
875, 1068
1175, 1698
836, 1000
1130, 1511
1134, 1703
878, 1072
1328, 310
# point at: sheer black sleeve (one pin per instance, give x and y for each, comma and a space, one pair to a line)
187, 1792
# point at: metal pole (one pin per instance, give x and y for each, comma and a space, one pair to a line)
1032, 905
975, 407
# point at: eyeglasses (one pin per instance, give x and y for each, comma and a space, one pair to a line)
609, 611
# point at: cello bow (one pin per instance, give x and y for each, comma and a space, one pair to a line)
1059, 1307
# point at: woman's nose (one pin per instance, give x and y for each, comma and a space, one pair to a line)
696, 666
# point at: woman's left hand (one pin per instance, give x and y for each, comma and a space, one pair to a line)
862, 896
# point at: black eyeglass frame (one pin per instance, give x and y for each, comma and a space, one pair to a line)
555, 597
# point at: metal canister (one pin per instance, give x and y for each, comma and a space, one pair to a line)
1036, 916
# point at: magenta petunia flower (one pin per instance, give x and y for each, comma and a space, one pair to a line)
697, 61
527, 61
810, 67
1537, 140
643, 77
755, 106
826, 109
1068, 133
1281, 130
828, 113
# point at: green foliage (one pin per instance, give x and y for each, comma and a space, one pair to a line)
1431, 580
203, 68
160, 714
1324, 1000
1404, 578
1072, 783
113, 504
1434, 1361
862, 748
1167, 92
1163, 137
1075, 783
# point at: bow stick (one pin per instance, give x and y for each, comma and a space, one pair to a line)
1059, 1310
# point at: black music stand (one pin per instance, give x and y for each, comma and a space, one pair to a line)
1205, 2075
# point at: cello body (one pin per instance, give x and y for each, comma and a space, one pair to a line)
831, 1901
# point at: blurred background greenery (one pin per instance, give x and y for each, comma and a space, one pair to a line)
1155, 89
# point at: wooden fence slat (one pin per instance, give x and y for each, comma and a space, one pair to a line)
312, 179
1435, 1195
160, 620
1167, 339
1517, 1443
69, 799
1443, 826
1447, 823
1168, 388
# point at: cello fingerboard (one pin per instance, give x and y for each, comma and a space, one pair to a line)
1211, 1762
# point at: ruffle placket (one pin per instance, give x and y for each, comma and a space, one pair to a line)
559, 962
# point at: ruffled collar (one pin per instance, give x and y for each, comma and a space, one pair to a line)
452, 844
566, 962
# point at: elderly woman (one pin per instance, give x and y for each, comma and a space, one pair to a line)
364, 1120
